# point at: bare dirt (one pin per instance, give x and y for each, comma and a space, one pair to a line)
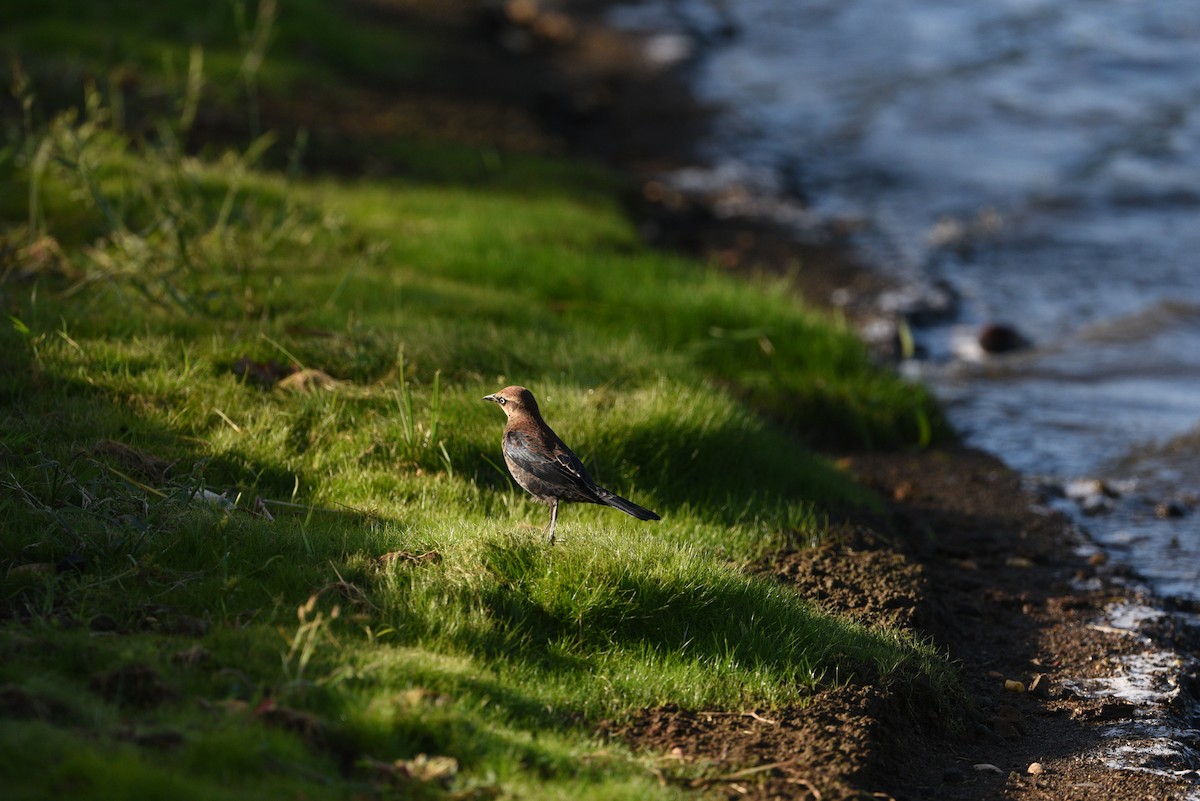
972, 564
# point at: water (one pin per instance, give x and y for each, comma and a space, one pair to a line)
1042, 157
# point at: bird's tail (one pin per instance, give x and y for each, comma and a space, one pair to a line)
626, 506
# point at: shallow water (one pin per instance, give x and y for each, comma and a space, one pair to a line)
1042, 157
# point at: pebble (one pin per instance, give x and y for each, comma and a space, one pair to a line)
1001, 338
1035, 769
1014, 686
1094, 505
1167, 510
1086, 487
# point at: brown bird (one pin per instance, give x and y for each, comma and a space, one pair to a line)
544, 466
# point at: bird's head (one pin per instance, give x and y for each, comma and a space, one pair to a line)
515, 400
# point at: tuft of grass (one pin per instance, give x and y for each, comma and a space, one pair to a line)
213, 585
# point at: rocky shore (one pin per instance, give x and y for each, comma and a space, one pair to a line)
1076, 687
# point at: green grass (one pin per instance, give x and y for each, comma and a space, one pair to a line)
399, 599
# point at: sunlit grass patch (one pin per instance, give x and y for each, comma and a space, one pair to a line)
218, 581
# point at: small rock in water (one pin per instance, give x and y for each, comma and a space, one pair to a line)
1089, 487
1168, 509
1014, 686
1095, 505
1035, 769
1001, 338
921, 304
1093, 496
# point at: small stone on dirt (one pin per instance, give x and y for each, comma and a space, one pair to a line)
1035, 769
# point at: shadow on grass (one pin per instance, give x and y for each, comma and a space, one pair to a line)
579, 617
735, 472
94, 495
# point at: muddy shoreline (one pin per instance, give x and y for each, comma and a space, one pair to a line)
1032, 612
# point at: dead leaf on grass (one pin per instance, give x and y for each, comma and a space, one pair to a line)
439, 770
307, 380
425, 768
420, 696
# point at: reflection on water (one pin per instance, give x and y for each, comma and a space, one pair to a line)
1043, 158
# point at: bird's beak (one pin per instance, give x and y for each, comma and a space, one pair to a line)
492, 398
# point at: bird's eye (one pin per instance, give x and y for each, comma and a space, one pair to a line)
502, 401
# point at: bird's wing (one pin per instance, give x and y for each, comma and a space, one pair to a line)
558, 466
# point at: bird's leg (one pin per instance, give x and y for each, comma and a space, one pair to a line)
553, 517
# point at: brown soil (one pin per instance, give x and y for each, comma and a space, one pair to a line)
965, 559
972, 565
